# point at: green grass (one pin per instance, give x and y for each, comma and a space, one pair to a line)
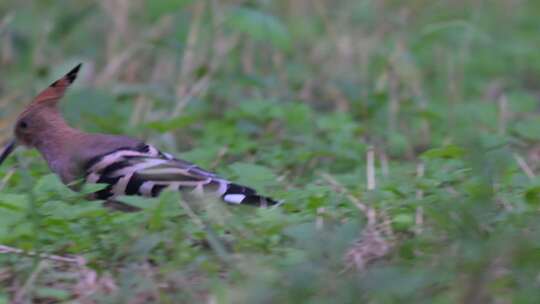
400, 135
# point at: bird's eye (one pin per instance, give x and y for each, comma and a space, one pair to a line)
23, 125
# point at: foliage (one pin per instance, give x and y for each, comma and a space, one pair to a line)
293, 98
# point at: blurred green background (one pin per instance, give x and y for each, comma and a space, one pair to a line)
401, 135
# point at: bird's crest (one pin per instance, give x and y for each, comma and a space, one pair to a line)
56, 90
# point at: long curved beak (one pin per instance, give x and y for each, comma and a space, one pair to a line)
11, 145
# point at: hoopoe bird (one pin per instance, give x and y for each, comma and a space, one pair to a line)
126, 166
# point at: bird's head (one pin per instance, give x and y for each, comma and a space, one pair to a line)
39, 115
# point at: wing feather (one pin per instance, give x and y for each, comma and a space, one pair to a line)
146, 171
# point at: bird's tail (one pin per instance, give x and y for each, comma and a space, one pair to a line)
238, 194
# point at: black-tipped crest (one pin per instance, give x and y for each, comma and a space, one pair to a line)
69, 77
57, 89
72, 75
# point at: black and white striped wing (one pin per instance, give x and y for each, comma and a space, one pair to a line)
146, 171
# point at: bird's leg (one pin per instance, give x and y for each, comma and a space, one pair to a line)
113, 204
119, 206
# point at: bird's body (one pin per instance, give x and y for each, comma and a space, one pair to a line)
126, 166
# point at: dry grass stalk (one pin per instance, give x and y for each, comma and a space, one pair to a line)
341, 189
342, 104
247, 58
212, 238
370, 168
383, 158
189, 63
185, 94
419, 217
7, 53
12, 250
139, 110
319, 222
524, 166
371, 246
118, 61
118, 11
393, 94
22, 294
87, 280
219, 157
222, 44
504, 114
5, 21
376, 238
